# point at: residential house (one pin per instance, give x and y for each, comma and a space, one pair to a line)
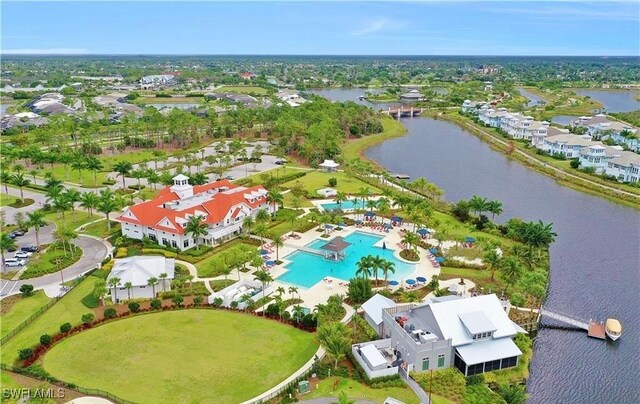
597, 155
568, 145
473, 334
157, 81
222, 205
137, 271
626, 167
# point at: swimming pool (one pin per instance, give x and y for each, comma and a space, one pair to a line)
349, 204
306, 269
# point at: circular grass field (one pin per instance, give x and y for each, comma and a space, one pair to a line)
183, 356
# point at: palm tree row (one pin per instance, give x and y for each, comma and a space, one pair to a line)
480, 205
370, 265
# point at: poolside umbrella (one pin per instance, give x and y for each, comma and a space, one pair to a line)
440, 259
423, 232
411, 281
396, 219
433, 250
421, 279
264, 252
369, 214
328, 226
469, 240
270, 262
387, 226
358, 221
393, 283
342, 224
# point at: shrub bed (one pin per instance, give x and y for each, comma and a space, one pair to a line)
157, 251
448, 383
53, 259
410, 255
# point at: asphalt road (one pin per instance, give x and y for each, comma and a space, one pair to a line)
94, 251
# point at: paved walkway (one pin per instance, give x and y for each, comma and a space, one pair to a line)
422, 395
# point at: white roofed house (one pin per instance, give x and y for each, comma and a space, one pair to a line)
597, 155
537, 138
474, 334
626, 167
568, 145
221, 205
137, 271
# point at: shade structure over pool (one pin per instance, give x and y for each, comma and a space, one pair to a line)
423, 232
470, 240
421, 279
433, 250
264, 252
394, 283
439, 259
369, 214
411, 281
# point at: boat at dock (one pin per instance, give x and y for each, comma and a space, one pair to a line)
613, 329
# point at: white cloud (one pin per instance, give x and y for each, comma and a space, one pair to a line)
569, 10
45, 51
380, 25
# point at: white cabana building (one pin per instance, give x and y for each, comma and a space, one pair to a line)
329, 166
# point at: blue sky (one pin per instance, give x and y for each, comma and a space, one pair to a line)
338, 28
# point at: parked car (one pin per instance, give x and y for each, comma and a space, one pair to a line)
11, 249
19, 232
229, 177
14, 262
281, 162
30, 248
22, 254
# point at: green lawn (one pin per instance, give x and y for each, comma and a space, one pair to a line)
473, 274
358, 391
68, 309
20, 310
14, 202
99, 229
73, 176
242, 90
304, 202
315, 180
72, 220
458, 230
208, 266
219, 284
183, 356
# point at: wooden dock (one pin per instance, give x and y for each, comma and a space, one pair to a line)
400, 176
594, 329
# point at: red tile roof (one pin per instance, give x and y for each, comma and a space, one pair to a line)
151, 213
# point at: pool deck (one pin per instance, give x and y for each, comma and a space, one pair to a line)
321, 291
319, 202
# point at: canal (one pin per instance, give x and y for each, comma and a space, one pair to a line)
594, 261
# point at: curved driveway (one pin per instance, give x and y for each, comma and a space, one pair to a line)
94, 251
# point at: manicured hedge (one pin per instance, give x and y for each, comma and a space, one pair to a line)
154, 251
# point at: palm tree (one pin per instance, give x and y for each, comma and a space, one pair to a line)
153, 281
335, 337
511, 270
5, 178
292, 290
197, 227
123, 168
261, 231
78, 164
281, 291
107, 203
384, 206
100, 290
478, 204
376, 264
387, 267
36, 220
263, 277
114, 283
61, 204
138, 175
492, 260
420, 184
6, 243
128, 286
89, 201
72, 195
19, 181
278, 243
95, 165
495, 208
513, 393
298, 313
248, 223
33, 174
275, 198
189, 278
262, 216
364, 267
163, 276
411, 240
340, 198
153, 178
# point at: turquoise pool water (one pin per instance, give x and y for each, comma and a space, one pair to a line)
350, 204
307, 269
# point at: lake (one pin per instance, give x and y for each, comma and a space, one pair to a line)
533, 99
614, 100
595, 270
